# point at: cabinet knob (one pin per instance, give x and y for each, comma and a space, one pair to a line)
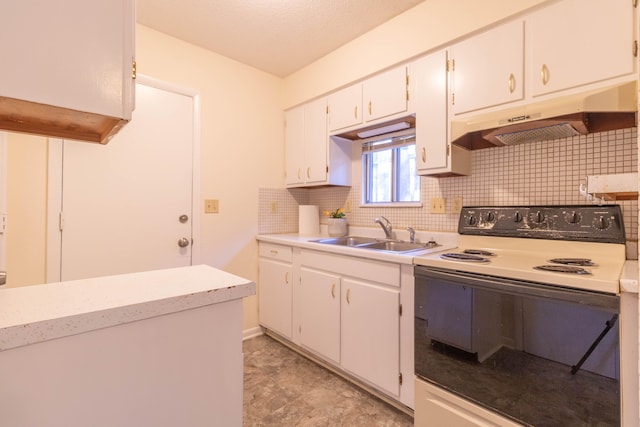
512, 83
544, 74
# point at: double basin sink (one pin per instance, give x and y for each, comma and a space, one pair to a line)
394, 246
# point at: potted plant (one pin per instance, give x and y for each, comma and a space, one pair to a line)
337, 223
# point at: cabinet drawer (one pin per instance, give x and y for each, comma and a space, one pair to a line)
279, 252
376, 271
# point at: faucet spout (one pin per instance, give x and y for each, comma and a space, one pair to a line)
386, 226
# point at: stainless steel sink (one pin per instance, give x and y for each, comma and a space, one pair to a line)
372, 243
395, 246
348, 241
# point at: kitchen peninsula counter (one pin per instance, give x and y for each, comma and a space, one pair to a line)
160, 348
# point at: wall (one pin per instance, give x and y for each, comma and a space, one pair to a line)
547, 172
241, 145
26, 209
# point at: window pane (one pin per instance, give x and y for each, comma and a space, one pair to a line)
380, 173
408, 182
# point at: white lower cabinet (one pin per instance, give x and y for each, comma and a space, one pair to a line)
320, 312
275, 288
345, 310
370, 336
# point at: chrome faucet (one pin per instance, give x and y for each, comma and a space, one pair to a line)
386, 226
412, 234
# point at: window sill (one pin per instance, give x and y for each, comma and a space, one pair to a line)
392, 205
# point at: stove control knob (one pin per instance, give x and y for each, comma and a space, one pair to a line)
601, 223
537, 217
517, 217
472, 220
490, 217
573, 217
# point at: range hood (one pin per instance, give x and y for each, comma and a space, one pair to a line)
604, 109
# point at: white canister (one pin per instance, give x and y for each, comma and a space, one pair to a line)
337, 227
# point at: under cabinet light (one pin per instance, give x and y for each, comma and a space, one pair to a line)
384, 129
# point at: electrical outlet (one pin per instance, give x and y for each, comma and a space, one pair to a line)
456, 205
347, 206
211, 206
436, 206
273, 207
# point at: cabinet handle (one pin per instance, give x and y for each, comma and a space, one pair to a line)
424, 154
512, 83
348, 296
333, 291
369, 107
274, 252
355, 112
544, 74
309, 172
286, 277
298, 173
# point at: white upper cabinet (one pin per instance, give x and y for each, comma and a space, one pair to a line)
379, 97
386, 94
577, 42
488, 69
434, 154
311, 157
345, 108
68, 70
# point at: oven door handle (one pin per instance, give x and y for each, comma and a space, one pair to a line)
608, 302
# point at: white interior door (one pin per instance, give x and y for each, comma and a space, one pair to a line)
127, 205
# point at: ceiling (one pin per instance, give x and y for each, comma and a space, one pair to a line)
276, 36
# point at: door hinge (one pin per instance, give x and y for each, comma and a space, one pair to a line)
448, 150
407, 94
327, 109
400, 378
635, 48
635, 3
400, 310
453, 99
60, 221
3, 223
134, 68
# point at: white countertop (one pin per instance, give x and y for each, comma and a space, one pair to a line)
447, 240
37, 313
629, 278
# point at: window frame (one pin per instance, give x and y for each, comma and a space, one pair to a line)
396, 141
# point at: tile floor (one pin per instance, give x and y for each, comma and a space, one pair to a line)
283, 388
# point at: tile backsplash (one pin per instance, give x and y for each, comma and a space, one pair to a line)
538, 173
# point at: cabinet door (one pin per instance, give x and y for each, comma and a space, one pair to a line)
345, 107
275, 297
385, 94
575, 42
315, 137
488, 69
76, 55
294, 145
320, 312
370, 341
429, 80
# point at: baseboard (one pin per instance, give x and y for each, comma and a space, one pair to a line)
252, 333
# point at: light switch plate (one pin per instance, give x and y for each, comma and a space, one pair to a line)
436, 206
211, 206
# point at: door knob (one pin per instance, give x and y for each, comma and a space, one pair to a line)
183, 243
183, 218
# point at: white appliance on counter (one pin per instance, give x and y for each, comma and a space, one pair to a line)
519, 324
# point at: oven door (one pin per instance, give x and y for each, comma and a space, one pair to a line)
535, 353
